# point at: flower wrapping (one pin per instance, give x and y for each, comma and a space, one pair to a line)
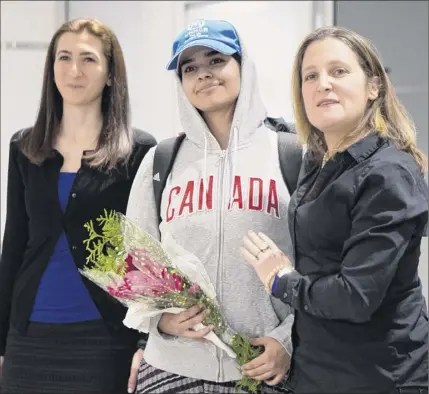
151, 278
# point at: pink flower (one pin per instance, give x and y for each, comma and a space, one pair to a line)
129, 261
123, 290
143, 283
172, 280
178, 282
145, 275
141, 259
194, 289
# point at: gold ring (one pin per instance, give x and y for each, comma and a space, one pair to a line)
261, 251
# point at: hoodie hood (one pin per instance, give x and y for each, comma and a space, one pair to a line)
249, 112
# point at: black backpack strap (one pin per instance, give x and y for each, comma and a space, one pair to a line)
290, 151
290, 157
165, 153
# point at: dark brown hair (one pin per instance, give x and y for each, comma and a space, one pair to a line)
115, 141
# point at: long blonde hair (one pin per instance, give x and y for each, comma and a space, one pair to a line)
384, 114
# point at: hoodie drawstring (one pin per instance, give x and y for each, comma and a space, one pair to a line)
233, 151
205, 181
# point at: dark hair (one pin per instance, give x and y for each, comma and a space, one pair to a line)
236, 56
115, 141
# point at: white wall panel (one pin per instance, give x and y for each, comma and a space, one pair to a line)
26, 29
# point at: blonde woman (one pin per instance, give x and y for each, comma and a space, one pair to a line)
357, 220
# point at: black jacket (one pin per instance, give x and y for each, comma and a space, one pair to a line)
361, 322
35, 221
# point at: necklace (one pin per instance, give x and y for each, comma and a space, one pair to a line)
325, 159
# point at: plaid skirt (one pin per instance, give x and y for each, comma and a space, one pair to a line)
155, 381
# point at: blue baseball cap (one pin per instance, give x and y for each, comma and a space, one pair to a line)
215, 34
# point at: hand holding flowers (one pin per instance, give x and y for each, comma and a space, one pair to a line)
135, 269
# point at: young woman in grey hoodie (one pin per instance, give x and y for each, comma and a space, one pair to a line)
226, 179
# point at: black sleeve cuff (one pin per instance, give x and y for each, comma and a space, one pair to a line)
287, 288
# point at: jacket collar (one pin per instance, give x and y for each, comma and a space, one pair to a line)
366, 146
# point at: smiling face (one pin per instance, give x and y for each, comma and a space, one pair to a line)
335, 89
80, 68
210, 80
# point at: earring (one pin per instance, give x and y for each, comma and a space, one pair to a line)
380, 123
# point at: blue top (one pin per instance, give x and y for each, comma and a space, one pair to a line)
62, 297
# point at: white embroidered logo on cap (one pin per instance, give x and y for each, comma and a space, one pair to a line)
197, 29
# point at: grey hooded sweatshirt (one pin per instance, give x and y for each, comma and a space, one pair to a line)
213, 197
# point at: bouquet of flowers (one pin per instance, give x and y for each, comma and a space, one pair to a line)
136, 270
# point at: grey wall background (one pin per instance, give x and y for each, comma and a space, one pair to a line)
399, 30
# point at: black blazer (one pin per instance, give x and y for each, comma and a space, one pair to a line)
35, 221
361, 323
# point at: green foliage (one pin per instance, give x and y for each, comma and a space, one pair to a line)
215, 317
246, 352
106, 249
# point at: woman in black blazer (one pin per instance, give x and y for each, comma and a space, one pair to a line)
357, 220
58, 331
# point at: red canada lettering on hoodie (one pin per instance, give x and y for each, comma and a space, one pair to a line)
262, 196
